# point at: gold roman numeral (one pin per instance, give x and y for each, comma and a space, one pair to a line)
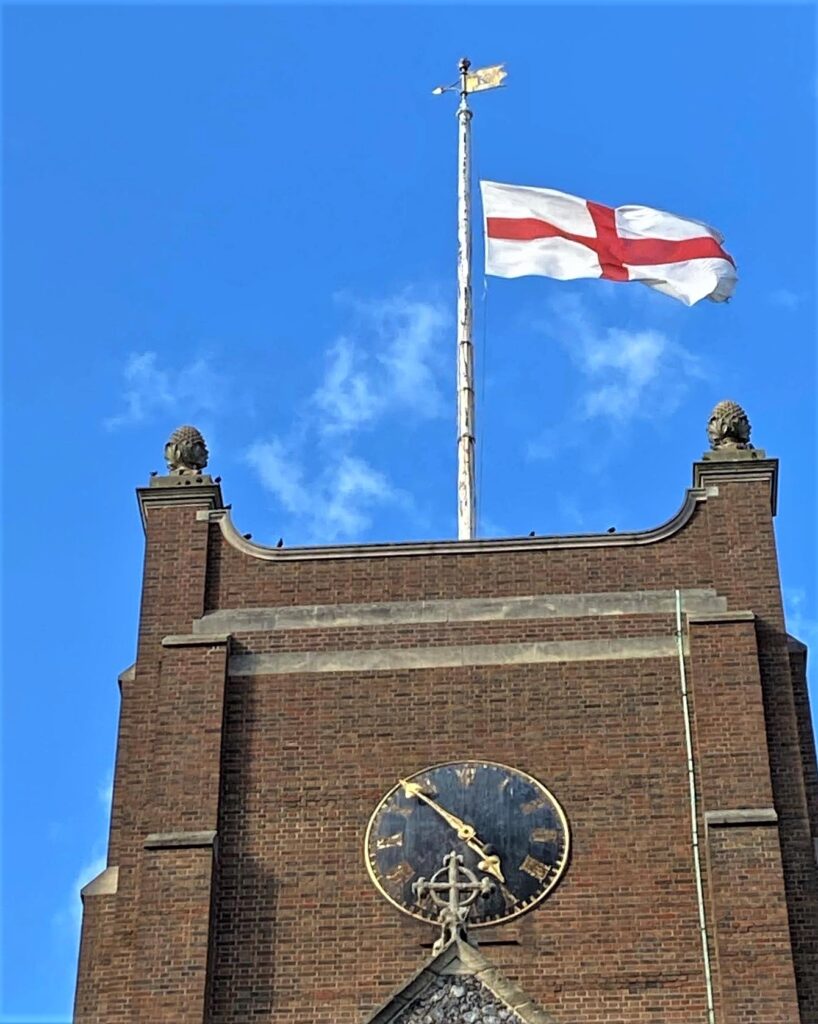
384, 842
400, 873
534, 805
466, 774
503, 783
535, 868
543, 835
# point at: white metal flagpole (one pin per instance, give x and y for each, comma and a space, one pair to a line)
475, 81
466, 503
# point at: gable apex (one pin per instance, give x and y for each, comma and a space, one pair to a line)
460, 986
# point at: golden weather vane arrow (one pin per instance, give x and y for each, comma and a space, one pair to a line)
469, 82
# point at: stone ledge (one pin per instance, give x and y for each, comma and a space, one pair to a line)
105, 884
742, 816
464, 609
702, 618
127, 675
196, 640
179, 840
404, 658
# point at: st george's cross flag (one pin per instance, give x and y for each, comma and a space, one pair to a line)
553, 234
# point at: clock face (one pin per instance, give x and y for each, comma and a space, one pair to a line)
504, 823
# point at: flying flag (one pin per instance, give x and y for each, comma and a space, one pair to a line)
553, 234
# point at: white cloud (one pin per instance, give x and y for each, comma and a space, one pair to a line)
280, 473
336, 503
391, 364
801, 622
629, 374
627, 365
784, 298
387, 362
152, 390
353, 488
346, 397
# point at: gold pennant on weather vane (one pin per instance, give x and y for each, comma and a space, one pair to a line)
475, 81
486, 78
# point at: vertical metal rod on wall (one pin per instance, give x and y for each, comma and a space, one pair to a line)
694, 813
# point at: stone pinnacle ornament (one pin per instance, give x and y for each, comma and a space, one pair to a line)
728, 426
186, 451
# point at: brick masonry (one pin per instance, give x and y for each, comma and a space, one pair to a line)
241, 798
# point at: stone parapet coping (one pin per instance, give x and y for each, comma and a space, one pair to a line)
178, 490
221, 517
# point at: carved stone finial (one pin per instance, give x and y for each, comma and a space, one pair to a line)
459, 896
186, 451
728, 426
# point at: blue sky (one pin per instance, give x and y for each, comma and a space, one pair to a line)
244, 218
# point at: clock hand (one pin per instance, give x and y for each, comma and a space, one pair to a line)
464, 831
490, 862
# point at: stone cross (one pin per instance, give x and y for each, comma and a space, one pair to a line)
453, 896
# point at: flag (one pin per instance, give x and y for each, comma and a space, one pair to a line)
553, 234
486, 78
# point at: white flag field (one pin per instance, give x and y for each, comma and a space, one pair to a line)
552, 234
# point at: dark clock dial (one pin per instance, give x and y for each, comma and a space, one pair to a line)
504, 823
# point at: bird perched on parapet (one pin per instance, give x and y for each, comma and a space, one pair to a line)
611, 529
247, 536
280, 542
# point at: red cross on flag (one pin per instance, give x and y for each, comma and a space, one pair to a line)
552, 234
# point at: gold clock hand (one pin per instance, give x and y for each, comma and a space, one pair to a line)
464, 831
490, 862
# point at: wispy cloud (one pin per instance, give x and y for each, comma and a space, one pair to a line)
626, 373
336, 502
802, 622
346, 397
386, 361
629, 372
151, 389
785, 298
391, 364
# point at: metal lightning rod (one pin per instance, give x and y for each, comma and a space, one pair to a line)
484, 78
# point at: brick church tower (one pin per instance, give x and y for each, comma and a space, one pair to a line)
612, 731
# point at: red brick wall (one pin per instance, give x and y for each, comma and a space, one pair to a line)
288, 926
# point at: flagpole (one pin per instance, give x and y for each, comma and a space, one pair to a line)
466, 503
